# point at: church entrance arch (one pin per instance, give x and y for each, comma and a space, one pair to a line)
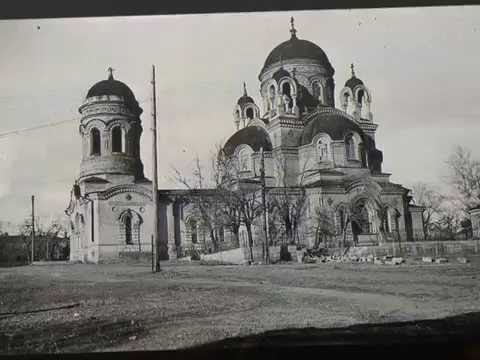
361, 220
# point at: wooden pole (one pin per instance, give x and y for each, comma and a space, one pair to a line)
153, 257
33, 225
264, 205
155, 175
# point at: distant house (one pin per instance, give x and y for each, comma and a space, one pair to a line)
16, 249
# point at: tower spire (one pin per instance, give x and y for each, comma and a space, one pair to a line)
244, 89
293, 31
353, 70
110, 73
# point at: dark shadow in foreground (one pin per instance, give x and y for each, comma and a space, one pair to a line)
456, 337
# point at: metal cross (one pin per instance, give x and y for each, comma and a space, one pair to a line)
110, 72
292, 29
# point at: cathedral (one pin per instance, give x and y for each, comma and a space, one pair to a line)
305, 142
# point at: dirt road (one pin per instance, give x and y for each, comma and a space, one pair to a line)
126, 307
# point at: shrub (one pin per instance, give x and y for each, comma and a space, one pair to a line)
195, 255
284, 253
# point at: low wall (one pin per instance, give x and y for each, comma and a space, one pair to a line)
274, 253
419, 248
234, 256
242, 255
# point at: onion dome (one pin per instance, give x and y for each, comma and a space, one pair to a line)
296, 48
353, 82
254, 136
245, 99
331, 121
116, 88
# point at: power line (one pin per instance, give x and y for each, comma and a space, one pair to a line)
19, 131
42, 126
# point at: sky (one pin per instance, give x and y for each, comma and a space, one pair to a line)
420, 64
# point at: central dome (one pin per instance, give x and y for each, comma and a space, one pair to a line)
116, 88
297, 48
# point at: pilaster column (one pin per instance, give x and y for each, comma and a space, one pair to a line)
172, 249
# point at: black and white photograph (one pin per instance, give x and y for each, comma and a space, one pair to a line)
220, 180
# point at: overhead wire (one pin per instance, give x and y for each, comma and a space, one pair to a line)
47, 125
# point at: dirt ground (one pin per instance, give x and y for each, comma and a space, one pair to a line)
117, 307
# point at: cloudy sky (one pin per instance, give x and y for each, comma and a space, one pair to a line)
421, 64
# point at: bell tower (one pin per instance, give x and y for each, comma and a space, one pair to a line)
355, 100
110, 127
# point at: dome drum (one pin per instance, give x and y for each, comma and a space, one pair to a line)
111, 129
118, 164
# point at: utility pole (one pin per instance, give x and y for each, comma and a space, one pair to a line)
264, 205
156, 241
33, 225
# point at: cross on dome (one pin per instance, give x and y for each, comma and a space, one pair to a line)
110, 73
293, 31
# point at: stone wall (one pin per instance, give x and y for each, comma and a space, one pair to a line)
420, 248
274, 253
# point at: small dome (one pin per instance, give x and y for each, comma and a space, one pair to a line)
255, 136
353, 82
330, 121
245, 99
114, 87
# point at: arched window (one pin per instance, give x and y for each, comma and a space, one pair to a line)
193, 231
350, 147
272, 97
249, 113
133, 143
286, 90
323, 148
117, 139
128, 230
317, 91
341, 219
129, 222
245, 160
95, 142
363, 154
360, 96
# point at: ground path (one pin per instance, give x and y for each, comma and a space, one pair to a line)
126, 307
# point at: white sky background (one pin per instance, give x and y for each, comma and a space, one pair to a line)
421, 64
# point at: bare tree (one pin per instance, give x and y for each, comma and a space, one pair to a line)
206, 203
425, 195
465, 176
324, 226
229, 203
289, 202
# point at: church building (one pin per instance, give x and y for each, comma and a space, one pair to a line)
307, 144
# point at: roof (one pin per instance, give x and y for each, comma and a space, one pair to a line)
331, 121
353, 82
297, 48
114, 87
245, 99
254, 136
